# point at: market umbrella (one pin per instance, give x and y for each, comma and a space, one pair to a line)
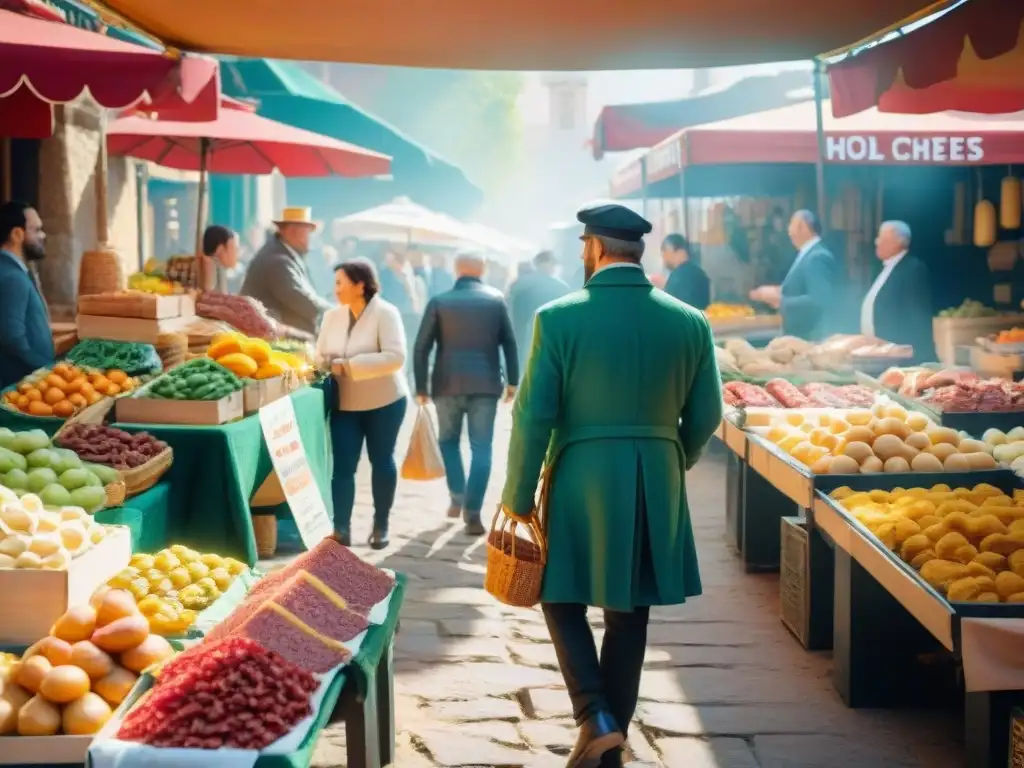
498, 242
970, 59
238, 142
44, 63
402, 221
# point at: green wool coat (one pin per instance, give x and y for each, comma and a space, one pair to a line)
620, 396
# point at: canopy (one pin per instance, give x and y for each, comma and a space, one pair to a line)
970, 59
525, 35
58, 63
288, 93
789, 135
240, 141
402, 221
624, 127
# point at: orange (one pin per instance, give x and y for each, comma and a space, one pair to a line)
53, 396
113, 389
63, 370
56, 381
22, 401
24, 387
63, 409
94, 398
43, 386
100, 382
37, 408
128, 385
88, 390
116, 376
75, 384
34, 394
77, 399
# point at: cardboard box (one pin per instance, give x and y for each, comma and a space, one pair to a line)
143, 331
259, 393
45, 750
151, 410
32, 600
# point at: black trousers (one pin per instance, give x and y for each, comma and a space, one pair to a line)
611, 682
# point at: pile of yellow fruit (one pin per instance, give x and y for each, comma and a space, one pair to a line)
174, 585
161, 286
968, 543
886, 438
728, 311
250, 358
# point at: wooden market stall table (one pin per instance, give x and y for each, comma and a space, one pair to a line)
887, 618
217, 469
147, 515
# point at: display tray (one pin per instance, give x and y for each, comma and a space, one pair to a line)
145, 306
31, 600
219, 610
735, 438
143, 331
931, 608
139, 409
795, 479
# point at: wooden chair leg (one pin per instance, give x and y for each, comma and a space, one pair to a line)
362, 742
386, 703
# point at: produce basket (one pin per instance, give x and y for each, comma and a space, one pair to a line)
134, 481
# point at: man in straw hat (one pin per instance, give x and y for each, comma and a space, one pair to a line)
620, 396
278, 276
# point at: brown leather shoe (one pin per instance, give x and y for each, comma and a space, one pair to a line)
598, 735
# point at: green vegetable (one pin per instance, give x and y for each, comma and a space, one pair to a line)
130, 357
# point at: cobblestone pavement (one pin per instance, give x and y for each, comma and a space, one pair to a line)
724, 684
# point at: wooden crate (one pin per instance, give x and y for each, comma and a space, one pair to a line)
147, 306
953, 332
152, 410
260, 393
32, 600
143, 331
805, 585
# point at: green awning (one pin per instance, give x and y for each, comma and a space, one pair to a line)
288, 93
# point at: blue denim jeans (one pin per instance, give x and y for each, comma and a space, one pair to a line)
379, 429
479, 412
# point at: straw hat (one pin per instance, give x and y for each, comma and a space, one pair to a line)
297, 215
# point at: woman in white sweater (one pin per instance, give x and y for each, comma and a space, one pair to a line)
363, 342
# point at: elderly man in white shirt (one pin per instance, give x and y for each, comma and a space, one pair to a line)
898, 305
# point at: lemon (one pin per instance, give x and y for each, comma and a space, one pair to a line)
180, 577
142, 562
221, 578
197, 571
166, 561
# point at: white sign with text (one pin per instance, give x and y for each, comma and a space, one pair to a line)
904, 149
281, 433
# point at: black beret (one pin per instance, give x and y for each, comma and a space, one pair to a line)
608, 219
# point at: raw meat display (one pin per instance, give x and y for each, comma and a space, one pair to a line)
912, 382
308, 599
235, 694
750, 395
977, 396
242, 312
823, 396
856, 396
278, 630
788, 394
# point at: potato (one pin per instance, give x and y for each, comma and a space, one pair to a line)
994, 437
152, 650
888, 445
917, 421
859, 435
860, 417
980, 460
122, 634
926, 462
892, 426
858, 451
822, 465
895, 465
956, 462
871, 466
844, 465
918, 440
895, 411
942, 450
943, 435
973, 446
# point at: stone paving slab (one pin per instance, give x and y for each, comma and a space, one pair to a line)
725, 685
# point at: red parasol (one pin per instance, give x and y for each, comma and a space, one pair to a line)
43, 63
970, 59
240, 142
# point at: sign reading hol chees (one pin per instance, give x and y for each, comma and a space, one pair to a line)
920, 150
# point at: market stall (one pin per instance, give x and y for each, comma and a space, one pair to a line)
885, 522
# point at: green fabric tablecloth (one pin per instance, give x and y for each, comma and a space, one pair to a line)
148, 515
16, 421
217, 469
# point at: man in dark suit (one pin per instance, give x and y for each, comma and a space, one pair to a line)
279, 278
469, 325
898, 306
808, 294
531, 292
26, 343
686, 280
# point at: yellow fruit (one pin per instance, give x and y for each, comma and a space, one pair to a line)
142, 562
235, 567
221, 578
150, 605
212, 561
268, 371
257, 349
166, 561
239, 364
124, 579
190, 592
209, 587
139, 588
229, 345
796, 419
180, 577
197, 571
184, 554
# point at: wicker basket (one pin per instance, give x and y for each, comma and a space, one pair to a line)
146, 476
264, 528
115, 493
515, 566
100, 272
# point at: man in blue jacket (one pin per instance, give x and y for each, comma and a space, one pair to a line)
26, 343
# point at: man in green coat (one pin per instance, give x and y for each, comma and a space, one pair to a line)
620, 396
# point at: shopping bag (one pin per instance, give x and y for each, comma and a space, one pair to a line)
423, 459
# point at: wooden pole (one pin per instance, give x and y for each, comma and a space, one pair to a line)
819, 165
204, 150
